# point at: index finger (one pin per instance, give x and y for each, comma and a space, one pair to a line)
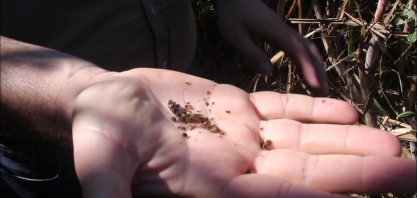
272, 105
302, 53
264, 185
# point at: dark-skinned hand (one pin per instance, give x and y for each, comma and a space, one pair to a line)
246, 23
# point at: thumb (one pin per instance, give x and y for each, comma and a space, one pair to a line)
93, 154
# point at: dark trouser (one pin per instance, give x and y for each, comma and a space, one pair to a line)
37, 169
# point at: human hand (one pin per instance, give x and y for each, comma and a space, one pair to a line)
247, 23
126, 144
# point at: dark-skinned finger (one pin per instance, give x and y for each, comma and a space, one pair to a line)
294, 45
318, 65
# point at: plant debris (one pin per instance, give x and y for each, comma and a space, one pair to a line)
182, 128
193, 120
266, 144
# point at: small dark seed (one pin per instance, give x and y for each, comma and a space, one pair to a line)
266, 144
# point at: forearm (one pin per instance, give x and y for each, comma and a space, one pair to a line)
39, 85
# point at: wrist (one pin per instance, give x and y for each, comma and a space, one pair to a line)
74, 85
38, 87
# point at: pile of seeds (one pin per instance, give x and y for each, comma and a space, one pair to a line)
192, 120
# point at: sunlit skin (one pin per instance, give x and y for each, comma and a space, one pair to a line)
126, 143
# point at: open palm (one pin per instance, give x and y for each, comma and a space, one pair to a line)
125, 142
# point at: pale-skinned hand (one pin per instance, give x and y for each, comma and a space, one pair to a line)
247, 23
125, 143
